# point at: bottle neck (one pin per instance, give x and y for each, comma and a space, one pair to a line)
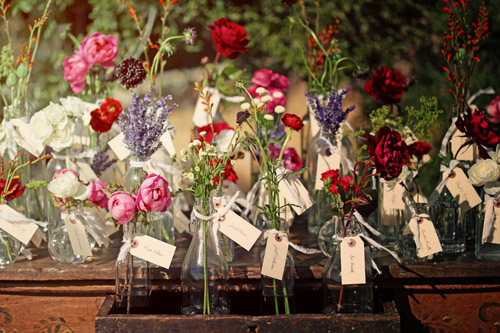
347, 226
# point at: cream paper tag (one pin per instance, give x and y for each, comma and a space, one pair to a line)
200, 116
118, 147
23, 231
239, 230
466, 153
275, 257
460, 188
392, 204
77, 237
152, 250
28, 142
181, 222
296, 194
325, 163
314, 123
428, 237
37, 238
84, 171
168, 143
494, 237
352, 261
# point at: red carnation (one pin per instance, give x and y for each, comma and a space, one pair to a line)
474, 126
332, 174
229, 38
386, 85
292, 121
419, 148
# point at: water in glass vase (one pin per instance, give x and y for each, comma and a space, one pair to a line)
354, 298
133, 286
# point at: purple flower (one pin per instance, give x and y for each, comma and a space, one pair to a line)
101, 162
131, 73
242, 116
190, 35
331, 115
144, 122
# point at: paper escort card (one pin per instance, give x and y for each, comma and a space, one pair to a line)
168, 143
152, 250
181, 222
200, 116
325, 162
21, 230
314, 124
293, 191
352, 260
239, 230
37, 238
118, 147
275, 257
428, 237
467, 152
84, 171
77, 237
460, 187
494, 236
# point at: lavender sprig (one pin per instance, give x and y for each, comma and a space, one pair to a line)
331, 115
101, 162
144, 122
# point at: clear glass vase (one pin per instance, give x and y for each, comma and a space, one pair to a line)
9, 248
133, 279
487, 250
278, 296
352, 298
389, 216
161, 225
135, 175
204, 277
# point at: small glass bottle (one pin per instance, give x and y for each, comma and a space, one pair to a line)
9, 248
485, 249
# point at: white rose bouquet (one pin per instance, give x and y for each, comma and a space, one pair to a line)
486, 173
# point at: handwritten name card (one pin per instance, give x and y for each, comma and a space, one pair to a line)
325, 162
21, 230
275, 257
118, 147
77, 237
152, 250
352, 260
460, 187
239, 230
428, 237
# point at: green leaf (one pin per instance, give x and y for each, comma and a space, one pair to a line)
37, 184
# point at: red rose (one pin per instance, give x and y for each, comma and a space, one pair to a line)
386, 85
112, 107
419, 148
332, 174
209, 136
100, 121
292, 121
388, 151
15, 188
229, 38
474, 126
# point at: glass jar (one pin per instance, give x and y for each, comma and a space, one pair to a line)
352, 298
204, 277
390, 212
135, 175
449, 224
9, 248
133, 279
278, 296
485, 249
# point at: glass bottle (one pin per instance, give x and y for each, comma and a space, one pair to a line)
277, 296
9, 248
388, 218
449, 224
338, 298
133, 279
204, 277
487, 250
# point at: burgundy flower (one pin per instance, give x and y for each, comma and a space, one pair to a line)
291, 159
229, 38
474, 126
386, 85
292, 121
388, 151
131, 73
242, 116
419, 148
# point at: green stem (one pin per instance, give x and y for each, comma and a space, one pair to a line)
7, 246
275, 298
206, 305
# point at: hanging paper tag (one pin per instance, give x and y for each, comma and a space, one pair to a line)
467, 153
326, 161
239, 230
200, 115
428, 237
494, 236
275, 257
460, 187
37, 237
152, 250
84, 171
77, 237
314, 123
181, 222
168, 143
118, 146
23, 231
392, 204
296, 194
352, 260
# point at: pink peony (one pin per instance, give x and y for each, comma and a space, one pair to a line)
97, 195
100, 49
62, 171
262, 77
75, 71
153, 194
493, 110
280, 82
121, 205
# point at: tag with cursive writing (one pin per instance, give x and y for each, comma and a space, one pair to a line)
275, 257
77, 237
392, 204
200, 115
152, 250
37, 237
118, 146
21, 230
460, 187
168, 143
428, 237
466, 153
181, 222
326, 161
494, 236
295, 193
239, 230
84, 171
352, 260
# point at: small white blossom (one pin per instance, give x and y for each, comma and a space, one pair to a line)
269, 117
184, 158
245, 106
277, 94
197, 168
203, 133
279, 109
266, 99
190, 176
261, 91
184, 152
196, 143
256, 101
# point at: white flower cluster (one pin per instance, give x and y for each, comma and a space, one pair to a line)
487, 172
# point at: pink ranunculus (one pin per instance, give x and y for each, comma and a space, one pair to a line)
97, 195
75, 71
493, 110
262, 77
153, 194
280, 82
291, 159
100, 49
121, 205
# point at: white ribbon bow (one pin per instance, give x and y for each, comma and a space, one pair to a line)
297, 247
446, 174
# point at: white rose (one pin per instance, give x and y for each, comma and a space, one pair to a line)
40, 127
55, 114
67, 185
74, 106
484, 171
223, 140
62, 138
